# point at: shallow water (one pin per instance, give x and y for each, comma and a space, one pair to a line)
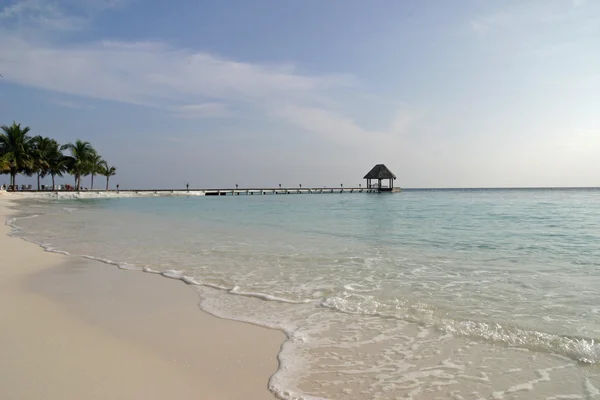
423, 294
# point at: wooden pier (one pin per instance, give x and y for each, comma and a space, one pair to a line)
223, 192
251, 191
378, 173
284, 191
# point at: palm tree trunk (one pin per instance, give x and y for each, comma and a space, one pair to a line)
13, 179
107, 183
38, 180
92, 185
53, 185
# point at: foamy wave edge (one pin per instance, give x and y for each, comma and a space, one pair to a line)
277, 383
581, 349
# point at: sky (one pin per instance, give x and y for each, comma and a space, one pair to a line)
465, 93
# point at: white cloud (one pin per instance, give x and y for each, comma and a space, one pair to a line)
182, 82
204, 110
72, 104
53, 15
521, 15
339, 128
41, 14
404, 120
322, 121
150, 73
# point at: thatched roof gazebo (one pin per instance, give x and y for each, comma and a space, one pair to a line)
381, 172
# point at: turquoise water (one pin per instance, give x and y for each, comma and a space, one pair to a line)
423, 294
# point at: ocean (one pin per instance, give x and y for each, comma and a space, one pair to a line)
426, 294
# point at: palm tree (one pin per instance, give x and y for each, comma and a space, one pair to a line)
79, 161
96, 164
15, 147
46, 152
4, 165
107, 171
57, 163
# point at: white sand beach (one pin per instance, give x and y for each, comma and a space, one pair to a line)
73, 329
101, 194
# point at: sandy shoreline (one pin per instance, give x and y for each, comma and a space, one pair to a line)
76, 329
101, 194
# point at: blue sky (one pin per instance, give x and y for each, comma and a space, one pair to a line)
470, 93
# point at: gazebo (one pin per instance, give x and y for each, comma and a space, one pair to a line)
381, 172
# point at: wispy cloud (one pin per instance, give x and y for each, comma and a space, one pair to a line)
41, 14
182, 82
57, 15
72, 104
156, 74
528, 14
337, 127
204, 110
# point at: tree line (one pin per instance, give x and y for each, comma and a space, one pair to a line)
21, 153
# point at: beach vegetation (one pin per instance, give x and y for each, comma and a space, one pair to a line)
16, 149
21, 153
4, 165
59, 164
80, 160
44, 151
107, 171
95, 165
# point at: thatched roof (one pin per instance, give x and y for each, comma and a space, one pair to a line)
380, 171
